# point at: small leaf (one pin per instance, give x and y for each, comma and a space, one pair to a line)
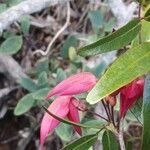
115, 40
28, 84
132, 64
71, 41
24, 105
69, 122
40, 94
96, 18
42, 66
11, 45
25, 25
42, 80
72, 53
84, 143
61, 75
146, 114
64, 131
109, 141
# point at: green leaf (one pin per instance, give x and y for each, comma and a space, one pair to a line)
61, 75
84, 143
115, 40
25, 25
96, 19
11, 45
71, 41
69, 122
40, 94
98, 123
109, 141
28, 84
132, 64
42, 66
42, 80
64, 131
24, 105
146, 114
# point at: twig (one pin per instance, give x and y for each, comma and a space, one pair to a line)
47, 52
106, 110
120, 136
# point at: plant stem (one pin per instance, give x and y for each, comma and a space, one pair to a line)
112, 113
120, 136
109, 119
98, 115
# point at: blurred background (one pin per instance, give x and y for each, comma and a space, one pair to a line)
26, 75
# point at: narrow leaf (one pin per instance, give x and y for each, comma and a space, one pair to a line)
146, 114
114, 41
109, 141
84, 143
132, 64
69, 122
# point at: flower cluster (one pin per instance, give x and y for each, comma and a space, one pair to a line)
66, 105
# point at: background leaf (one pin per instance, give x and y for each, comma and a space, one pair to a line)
84, 143
71, 41
11, 45
109, 141
28, 84
25, 24
146, 114
24, 105
115, 40
132, 64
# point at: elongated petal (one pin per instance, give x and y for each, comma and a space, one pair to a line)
59, 107
75, 84
129, 94
73, 115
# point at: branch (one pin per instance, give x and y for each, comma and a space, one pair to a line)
11, 68
24, 8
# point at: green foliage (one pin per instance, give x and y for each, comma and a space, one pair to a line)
28, 84
24, 104
61, 75
146, 115
132, 64
83, 143
109, 141
115, 40
64, 131
71, 41
25, 24
96, 19
11, 45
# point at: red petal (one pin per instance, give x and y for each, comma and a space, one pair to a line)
75, 84
59, 107
73, 115
129, 94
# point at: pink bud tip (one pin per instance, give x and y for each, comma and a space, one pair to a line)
75, 84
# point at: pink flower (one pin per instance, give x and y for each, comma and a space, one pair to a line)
66, 105
75, 84
129, 94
